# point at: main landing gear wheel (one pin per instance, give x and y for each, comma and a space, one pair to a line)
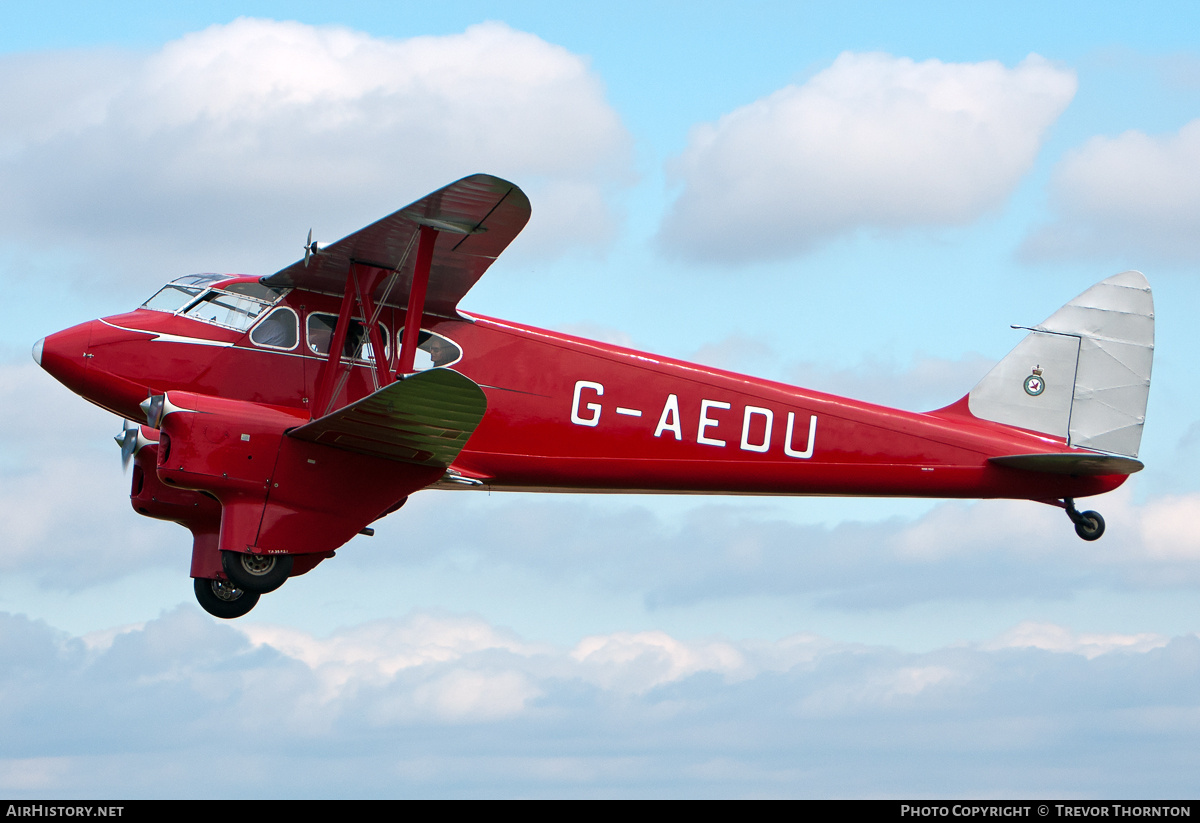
220, 598
259, 573
1088, 525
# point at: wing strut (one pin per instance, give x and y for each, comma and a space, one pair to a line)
416, 300
370, 312
361, 281
360, 284
369, 268
336, 344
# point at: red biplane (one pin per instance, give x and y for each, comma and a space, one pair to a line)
277, 417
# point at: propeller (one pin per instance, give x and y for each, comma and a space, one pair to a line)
152, 407
311, 247
131, 440
128, 441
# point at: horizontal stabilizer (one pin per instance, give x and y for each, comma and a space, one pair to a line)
424, 418
1078, 463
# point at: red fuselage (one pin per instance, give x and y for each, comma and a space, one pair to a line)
566, 414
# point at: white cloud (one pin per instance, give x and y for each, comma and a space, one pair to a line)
927, 383
998, 551
233, 140
872, 141
1168, 527
32, 776
375, 652
737, 353
1128, 198
387, 647
885, 686
1048, 636
475, 695
639, 661
64, 500
803, 715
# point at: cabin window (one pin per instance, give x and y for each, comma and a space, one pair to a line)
320, 328
434, 351
278, 330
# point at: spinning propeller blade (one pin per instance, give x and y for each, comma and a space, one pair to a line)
311, 247
128, 441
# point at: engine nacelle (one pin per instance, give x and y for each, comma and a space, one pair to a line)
198, 512
278, 494
225, 447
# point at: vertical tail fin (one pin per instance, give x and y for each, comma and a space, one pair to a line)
1083, 374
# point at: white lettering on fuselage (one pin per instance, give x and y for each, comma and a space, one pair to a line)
750, 413
758, 422
668, 421
707, 422
812, 437
594, 408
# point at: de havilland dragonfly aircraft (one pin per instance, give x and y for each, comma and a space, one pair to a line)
277, 417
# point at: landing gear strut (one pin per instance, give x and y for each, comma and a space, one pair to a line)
1088, 525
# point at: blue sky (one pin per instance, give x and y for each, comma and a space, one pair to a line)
859, 198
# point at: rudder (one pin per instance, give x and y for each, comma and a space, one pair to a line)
1083, 374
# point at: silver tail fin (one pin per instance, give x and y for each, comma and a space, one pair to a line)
1083, 374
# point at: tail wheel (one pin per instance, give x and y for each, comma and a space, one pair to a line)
1089, 526
259, 573
223, 599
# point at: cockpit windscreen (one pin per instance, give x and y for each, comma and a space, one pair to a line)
233, 310
172, 298
235, 307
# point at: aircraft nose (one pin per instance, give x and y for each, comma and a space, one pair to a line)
64, 355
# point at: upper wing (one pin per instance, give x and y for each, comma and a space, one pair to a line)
423, 418
476, 218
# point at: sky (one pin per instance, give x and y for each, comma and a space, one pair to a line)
859, 198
